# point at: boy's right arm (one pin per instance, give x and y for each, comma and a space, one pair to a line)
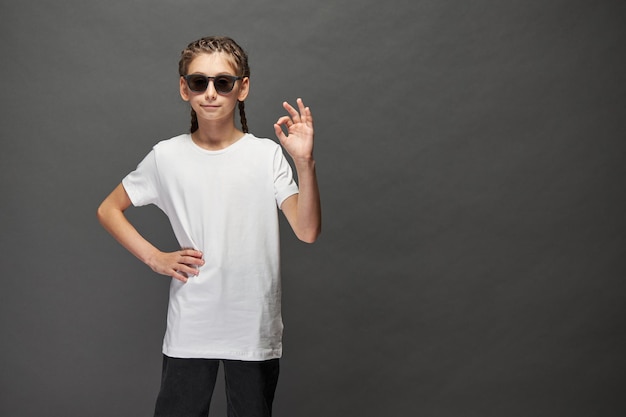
179, 264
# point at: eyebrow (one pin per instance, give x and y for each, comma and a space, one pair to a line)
216, 75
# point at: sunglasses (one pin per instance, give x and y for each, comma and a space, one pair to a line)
222, 83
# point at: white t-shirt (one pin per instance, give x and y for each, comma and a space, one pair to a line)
225, 204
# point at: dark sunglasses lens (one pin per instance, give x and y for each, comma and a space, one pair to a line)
224, 84
197, 83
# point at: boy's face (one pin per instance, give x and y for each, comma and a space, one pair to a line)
211, 105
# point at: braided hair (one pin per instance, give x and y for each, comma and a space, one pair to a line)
236, 55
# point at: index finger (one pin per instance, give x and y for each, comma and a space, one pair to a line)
191, 252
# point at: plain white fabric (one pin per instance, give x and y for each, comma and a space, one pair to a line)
224, 203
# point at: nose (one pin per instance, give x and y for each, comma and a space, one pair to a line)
211, 92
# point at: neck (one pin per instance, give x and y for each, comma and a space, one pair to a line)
215, 136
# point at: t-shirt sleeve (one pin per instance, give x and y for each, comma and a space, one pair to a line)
141, 185
284, 184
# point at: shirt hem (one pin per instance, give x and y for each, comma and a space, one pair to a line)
230, 355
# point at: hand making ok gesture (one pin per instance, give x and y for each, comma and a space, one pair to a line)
298, 142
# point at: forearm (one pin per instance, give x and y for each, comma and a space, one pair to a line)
309, 212
115, 222
180, 264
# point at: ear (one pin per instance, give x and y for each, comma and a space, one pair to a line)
244, 89
184, 91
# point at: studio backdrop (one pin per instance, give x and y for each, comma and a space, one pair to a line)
471, 163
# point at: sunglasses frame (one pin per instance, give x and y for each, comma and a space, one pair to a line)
231, 78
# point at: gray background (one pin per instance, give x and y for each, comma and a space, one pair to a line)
471, 160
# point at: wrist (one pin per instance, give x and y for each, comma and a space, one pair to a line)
304, 162
150, 258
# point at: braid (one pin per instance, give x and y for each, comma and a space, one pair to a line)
242, 117
194, 121
211, 44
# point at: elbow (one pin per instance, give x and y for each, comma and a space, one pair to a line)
103, 213
100, 213
310, 236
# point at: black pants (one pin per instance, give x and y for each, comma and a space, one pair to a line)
187, 386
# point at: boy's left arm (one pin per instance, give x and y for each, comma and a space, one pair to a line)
302, 210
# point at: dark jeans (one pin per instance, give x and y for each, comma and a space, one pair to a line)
187, 386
